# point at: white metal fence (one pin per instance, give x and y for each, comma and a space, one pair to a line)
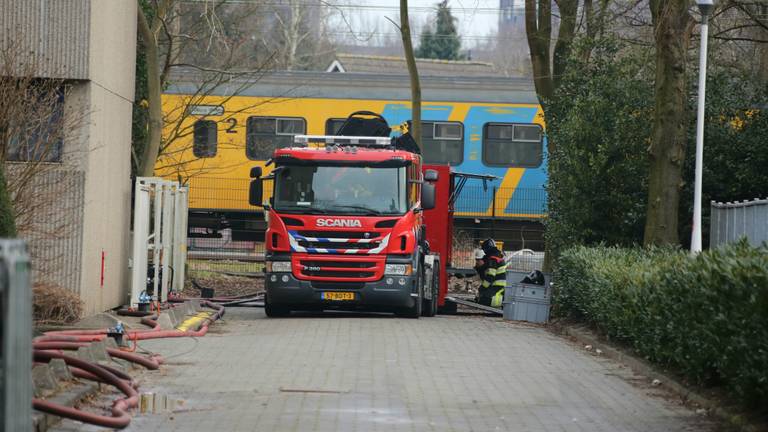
731, 221
159, 238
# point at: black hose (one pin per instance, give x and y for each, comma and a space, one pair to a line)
133, 313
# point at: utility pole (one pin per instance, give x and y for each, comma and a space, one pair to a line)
705, 7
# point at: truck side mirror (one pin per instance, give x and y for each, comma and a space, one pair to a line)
256, 188
430, 175
427, 196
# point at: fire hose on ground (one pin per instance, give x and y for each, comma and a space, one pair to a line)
50, 346
155, 333
120, 417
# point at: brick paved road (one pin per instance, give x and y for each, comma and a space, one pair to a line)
368, 373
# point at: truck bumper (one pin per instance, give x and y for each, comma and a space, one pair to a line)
285, 290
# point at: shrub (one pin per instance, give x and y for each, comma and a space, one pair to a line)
704, 316
52, 304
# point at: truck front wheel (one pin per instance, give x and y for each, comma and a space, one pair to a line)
415, 310
275, 311
430, 305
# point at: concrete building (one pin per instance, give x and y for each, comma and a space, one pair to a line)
91, 45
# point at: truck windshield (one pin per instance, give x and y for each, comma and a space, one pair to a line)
341, 190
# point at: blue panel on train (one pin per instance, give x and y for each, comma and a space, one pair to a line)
397, 113
530, 198
480, 200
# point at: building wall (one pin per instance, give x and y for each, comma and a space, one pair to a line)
92, 45
106, 216
55, 34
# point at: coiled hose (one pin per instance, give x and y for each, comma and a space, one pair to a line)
120, 417
47, 347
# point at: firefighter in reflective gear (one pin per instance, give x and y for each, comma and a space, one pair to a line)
494, 276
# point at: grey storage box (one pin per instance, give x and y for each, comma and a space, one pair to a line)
516, 289
535, 311
526, 302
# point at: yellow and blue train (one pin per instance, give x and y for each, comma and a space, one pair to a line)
479, 125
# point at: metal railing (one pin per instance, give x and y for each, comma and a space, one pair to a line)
16, 334
729, 222
501, 203
474, 200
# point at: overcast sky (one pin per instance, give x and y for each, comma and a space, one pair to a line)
477, 19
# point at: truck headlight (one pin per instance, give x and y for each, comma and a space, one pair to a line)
278, 266
398, 269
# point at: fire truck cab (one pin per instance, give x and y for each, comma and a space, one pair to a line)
346, 227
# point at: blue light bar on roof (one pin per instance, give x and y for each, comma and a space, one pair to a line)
343, 140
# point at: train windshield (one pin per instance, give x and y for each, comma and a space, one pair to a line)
341, 190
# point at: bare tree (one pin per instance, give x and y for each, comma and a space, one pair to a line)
548, 63
413, 73
225, 41
175, 33
180, 118
39, 138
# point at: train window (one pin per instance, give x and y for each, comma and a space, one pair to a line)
205, 139
332, 125
515, 145
443, 142
265, 134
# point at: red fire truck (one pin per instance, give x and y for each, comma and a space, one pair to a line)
355, 223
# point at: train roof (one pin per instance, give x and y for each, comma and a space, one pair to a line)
331, 85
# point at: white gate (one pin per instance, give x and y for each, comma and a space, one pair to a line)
159, 238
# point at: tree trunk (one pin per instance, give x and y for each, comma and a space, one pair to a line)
568, 11
761, 33
538, 30
672, 28
7, 217
154, 92
410, 59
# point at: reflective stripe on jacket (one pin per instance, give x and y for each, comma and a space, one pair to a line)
498, 298
496, 273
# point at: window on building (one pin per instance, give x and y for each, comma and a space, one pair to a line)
443, 142
265, 134
38, 137
332, 125
206, 139
513, 145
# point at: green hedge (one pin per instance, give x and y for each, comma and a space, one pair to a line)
704, 316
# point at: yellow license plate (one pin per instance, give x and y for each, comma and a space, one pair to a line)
330, 295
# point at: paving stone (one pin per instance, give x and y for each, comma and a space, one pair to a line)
60, 369
165, 321
99, 351
189, 308
195, 305
110, 343
348, 372
44, 380
85, 353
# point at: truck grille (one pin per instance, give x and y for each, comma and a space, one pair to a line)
337, 242
339, 268
339, 234
322, 244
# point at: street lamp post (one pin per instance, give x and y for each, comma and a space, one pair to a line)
705, 7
